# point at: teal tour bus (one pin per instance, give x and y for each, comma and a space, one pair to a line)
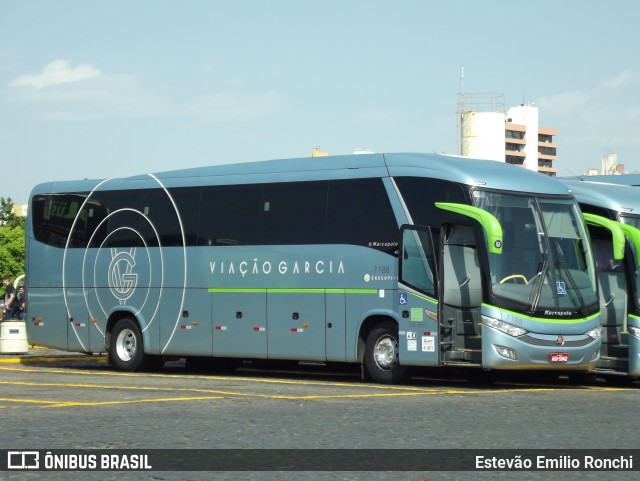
618, 275
390, 261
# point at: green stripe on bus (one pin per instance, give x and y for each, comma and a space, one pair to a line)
291, 291
433, 301
243, 290
548, 321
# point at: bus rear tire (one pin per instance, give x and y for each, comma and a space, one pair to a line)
126, 350
382, 355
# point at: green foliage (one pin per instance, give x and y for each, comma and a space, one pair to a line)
12, 241
7, 216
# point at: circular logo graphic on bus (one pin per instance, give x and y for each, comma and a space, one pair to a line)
121, 263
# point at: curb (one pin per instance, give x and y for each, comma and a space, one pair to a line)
41, 354
35, 359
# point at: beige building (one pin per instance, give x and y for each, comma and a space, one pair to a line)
515, 137
610, 166
20, 210
316, 152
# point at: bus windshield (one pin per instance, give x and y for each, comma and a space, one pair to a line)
634, 221
630, 220
546, 260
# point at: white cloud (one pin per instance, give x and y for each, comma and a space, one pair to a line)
564, 103
93, 98
595, 121
625, 79
606, 100
63, 93
55, 73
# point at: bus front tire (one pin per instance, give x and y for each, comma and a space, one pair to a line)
381, 355
126, 349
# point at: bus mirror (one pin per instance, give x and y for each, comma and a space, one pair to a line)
490, 225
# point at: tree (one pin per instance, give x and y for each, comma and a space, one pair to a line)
7, 216
12, 241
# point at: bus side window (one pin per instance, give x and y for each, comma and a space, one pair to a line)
359, 213
418, 261
293, 213
230, 215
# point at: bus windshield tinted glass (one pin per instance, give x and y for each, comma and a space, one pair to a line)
634, 221
546, 259
630, 220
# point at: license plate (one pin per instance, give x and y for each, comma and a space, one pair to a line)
559, 357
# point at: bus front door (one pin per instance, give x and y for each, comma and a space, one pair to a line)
418, 297
613, 291
461, 295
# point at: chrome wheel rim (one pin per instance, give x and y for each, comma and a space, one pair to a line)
126, 345
385, 353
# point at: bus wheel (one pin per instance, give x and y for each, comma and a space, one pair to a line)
126, 351
381, 355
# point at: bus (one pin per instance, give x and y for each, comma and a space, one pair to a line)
632, 180
619, 277
390, 261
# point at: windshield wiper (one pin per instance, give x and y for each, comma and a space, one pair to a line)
537, 292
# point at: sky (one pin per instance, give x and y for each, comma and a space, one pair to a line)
115, 88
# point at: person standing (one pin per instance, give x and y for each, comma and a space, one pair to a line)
10, 301
22, 306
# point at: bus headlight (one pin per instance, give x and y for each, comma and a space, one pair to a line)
503, 326
634, 331
595, 333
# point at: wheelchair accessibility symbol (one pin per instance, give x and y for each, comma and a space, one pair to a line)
402, 298
561, 287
